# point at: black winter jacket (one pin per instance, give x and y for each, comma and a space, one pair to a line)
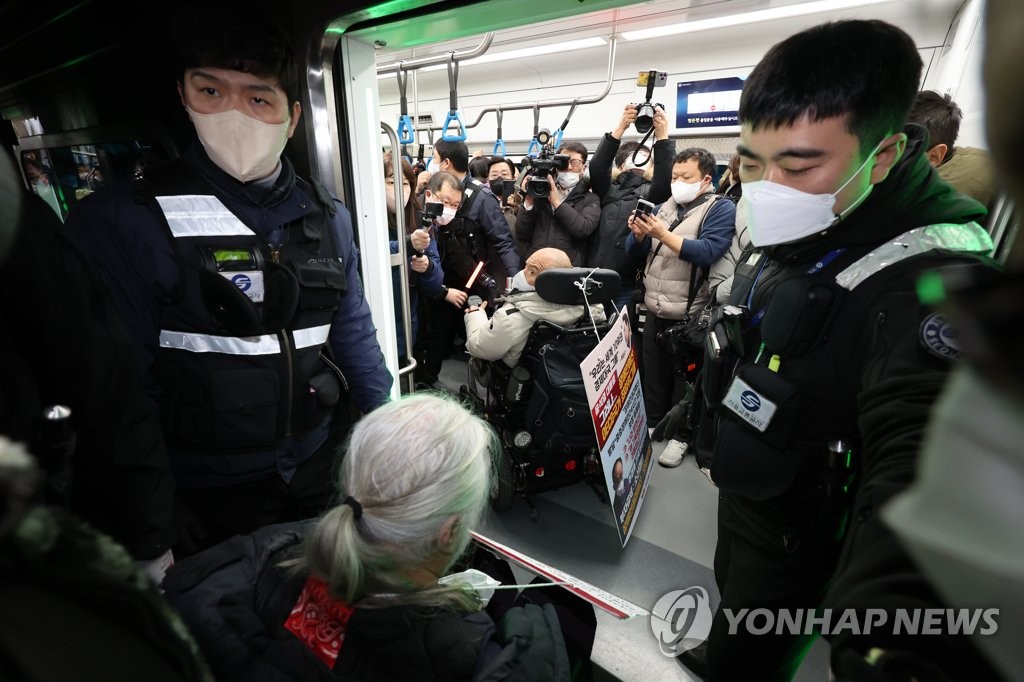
568, 228
235, 598
618, 199
62, 343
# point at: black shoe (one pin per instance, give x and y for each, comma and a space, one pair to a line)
695, 660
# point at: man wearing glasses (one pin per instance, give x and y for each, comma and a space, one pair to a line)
567, 216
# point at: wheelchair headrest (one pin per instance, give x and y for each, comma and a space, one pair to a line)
566, 285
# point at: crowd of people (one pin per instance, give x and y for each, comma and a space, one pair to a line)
230, 424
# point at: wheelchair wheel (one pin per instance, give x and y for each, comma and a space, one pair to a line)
503, 494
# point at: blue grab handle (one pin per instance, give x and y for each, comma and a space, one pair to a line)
534, 148
405, 133
558, 137
453, 116
499, 148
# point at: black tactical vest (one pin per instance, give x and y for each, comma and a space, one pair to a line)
241, 363
786, 382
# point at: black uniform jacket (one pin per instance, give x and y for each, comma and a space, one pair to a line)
835, 360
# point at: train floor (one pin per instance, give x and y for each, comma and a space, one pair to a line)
672, 548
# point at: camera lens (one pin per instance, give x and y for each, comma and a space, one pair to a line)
644, 118
538, 187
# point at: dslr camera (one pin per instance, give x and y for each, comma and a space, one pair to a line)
645, 110
544, 166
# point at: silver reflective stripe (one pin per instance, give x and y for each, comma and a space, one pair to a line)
967, 238
200, 215
231, 345
313, 336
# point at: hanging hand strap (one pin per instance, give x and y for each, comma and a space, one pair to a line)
453, 104
405, 129
499, 144
561, 129
534, 148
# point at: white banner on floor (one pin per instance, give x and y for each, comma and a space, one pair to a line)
606, 601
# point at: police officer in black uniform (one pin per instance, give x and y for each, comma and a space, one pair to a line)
821, 371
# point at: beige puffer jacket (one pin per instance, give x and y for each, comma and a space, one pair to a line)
503, 337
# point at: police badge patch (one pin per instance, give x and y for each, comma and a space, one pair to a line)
938, 337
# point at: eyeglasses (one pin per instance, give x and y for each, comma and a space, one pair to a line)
575, 163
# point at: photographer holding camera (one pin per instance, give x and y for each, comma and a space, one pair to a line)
559, 210
501, 178
692, 230
442, 200
620, 183
425, 274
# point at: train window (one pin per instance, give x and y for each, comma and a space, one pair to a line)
63, 174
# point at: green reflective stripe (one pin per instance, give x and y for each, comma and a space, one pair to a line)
966, 238
199, 215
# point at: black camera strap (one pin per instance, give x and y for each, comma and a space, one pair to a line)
644, 148
681, 213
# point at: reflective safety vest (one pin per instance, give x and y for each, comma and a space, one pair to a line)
242, 363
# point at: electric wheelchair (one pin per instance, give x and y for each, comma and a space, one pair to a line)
539, 408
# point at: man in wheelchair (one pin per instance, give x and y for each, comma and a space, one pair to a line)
504, 335
526, 360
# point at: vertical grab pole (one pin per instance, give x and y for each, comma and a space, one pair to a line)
400, 259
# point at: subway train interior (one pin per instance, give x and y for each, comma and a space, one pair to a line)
89, 102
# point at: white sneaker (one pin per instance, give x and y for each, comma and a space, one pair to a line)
707, 472
672, 455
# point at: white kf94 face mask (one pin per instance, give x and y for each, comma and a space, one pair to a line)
241, 146
447, 215
685, 192
777, 214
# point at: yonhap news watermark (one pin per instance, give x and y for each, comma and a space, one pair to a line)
834, 622
681, 620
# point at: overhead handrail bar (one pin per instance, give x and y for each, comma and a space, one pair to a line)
436, 59
557, 102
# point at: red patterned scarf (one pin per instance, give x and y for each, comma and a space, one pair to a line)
319, 621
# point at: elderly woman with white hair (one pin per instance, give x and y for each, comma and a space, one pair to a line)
356, 594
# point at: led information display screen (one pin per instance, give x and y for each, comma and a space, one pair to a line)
708, 103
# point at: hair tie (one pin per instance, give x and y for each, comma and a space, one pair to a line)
357, 509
